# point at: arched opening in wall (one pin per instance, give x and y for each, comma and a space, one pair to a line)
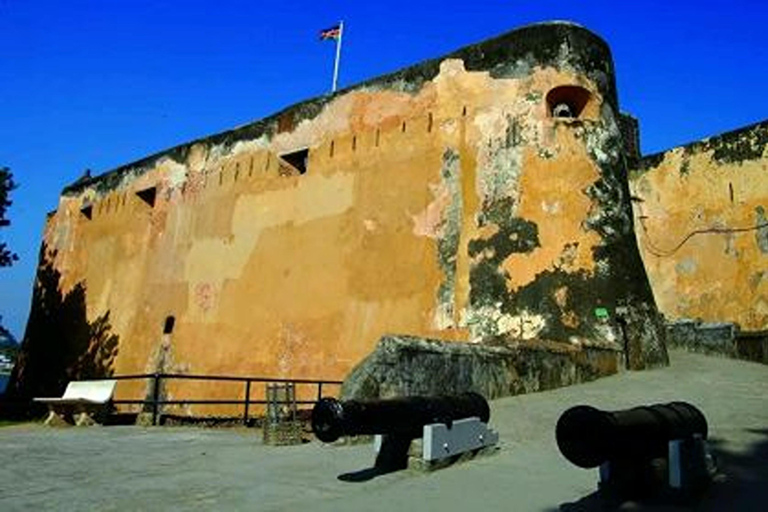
297, 159
430, 121
148, 195
354, 143
170, 321
567, 101
730, 191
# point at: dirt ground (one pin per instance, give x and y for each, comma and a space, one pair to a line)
186, 468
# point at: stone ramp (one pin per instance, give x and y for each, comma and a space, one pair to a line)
130, 468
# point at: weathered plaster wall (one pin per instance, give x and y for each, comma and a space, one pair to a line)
701, 223
405, 365
443, 201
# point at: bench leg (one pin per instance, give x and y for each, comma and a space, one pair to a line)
84, 419
55, 419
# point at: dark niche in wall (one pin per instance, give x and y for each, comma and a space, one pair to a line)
87, 211
297, 159
148, 195
168, 325
567, 101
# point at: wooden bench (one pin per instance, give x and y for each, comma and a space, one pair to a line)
84, 402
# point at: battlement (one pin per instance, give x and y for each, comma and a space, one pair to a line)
557, 44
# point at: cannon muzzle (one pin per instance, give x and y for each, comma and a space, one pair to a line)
588, 437
332, 419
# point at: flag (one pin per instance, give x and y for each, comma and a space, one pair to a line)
333, 32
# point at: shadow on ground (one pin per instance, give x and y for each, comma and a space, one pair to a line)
741, 484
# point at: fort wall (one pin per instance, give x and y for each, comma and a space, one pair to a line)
702, 228
478, 197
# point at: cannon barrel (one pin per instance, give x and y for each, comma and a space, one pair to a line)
332, 419
589, 437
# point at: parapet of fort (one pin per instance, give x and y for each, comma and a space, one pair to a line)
473, 212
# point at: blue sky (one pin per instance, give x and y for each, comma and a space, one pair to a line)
100, 83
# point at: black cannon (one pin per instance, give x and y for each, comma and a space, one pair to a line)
589, 437
639, 450
406, 416
451, 425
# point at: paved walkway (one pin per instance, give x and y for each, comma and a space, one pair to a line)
133, 468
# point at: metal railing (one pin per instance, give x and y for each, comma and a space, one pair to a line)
156, 402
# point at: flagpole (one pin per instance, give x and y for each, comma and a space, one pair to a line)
338, 57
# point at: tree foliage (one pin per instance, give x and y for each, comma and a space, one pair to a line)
6, 185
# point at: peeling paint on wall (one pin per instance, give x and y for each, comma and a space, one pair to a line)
443, 200
448, 241
761, 232
702, 227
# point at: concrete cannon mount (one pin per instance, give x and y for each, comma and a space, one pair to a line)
162, 468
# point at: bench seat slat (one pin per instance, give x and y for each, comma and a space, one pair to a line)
68, 401
84, 392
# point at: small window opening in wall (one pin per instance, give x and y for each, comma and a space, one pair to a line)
298, 159
87, 211
250, 167
730, 191
567, 101
333, 146
168, 325
402, 128
464, 111
237, 170
148, 195
378, 136
429, 122
354, 143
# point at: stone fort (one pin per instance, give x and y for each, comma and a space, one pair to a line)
490, 205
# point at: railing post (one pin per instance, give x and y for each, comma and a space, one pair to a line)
155, 398
247, 401
319, 391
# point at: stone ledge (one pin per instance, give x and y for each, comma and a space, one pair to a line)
718, 338
408, 365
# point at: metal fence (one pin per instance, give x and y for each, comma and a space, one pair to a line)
155, 401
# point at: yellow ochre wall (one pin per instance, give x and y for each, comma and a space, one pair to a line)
444, 201
702, 228
300, 275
